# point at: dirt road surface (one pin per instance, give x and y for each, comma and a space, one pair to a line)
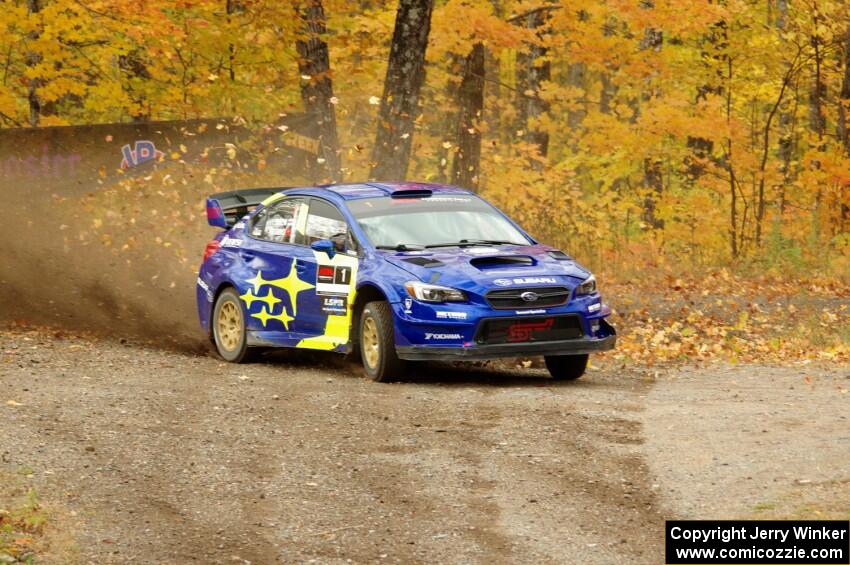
151, 456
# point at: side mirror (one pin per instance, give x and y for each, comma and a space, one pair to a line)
325, 245
215, 214
340, 241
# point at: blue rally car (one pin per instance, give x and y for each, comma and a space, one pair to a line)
395, 272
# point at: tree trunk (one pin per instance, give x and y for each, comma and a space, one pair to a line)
817, 119
531, 72
786, 122
32, 60
844, 99
653, 181
400, 102
843, 124
232, 7
733, 208
317, 90
133, 67
465, 170
446, 126
653, 177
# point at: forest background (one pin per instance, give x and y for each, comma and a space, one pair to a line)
671, 145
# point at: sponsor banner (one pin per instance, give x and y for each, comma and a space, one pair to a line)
744, 542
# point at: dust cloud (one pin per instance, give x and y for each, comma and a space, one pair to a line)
91, 246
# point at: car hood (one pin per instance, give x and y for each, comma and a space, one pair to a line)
490, 266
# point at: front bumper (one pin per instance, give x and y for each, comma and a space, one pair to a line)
478, 352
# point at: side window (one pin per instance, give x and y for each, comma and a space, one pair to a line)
257, 223
325, 221
280, 222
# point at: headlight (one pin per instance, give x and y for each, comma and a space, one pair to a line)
433, 292
587, 287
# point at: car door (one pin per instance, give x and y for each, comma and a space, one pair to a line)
335, 277
281, 274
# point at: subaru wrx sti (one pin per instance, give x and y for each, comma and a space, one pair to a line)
394, 272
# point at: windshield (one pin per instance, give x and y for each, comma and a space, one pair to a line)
433, 221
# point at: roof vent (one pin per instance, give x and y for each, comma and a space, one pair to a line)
411, 193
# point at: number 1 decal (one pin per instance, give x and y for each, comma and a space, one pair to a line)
333, 279
343, 275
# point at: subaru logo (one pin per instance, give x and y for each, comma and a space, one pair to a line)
529, 296
503, 282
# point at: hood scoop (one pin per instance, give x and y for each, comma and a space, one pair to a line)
560, 256
427, 262
484, 263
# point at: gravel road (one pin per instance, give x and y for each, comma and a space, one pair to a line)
151, 456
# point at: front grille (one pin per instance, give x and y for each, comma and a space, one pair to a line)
512, 297
523, 330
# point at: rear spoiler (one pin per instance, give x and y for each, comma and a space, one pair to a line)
224, 209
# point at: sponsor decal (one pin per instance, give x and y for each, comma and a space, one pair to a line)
227, 241
448, 199
334, 305
333, 279
537, 311
326, 274
430, 336
408, 305
522, 331
525, 280
337, 326
594, 307
479, 250
291, 286
143, 152
206, 289
451, 315
239, 225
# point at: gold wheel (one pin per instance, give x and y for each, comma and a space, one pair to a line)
371, 345
229, 326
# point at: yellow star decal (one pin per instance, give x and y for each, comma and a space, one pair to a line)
265, 315
249, 298
258, 282
292, 285
270, 299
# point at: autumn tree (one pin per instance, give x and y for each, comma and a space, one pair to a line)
402, 85
33, 60
467, 161
317, 85
691, 133
532, 71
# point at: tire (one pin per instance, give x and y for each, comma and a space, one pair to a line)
228, 325
566, 367
377, 343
